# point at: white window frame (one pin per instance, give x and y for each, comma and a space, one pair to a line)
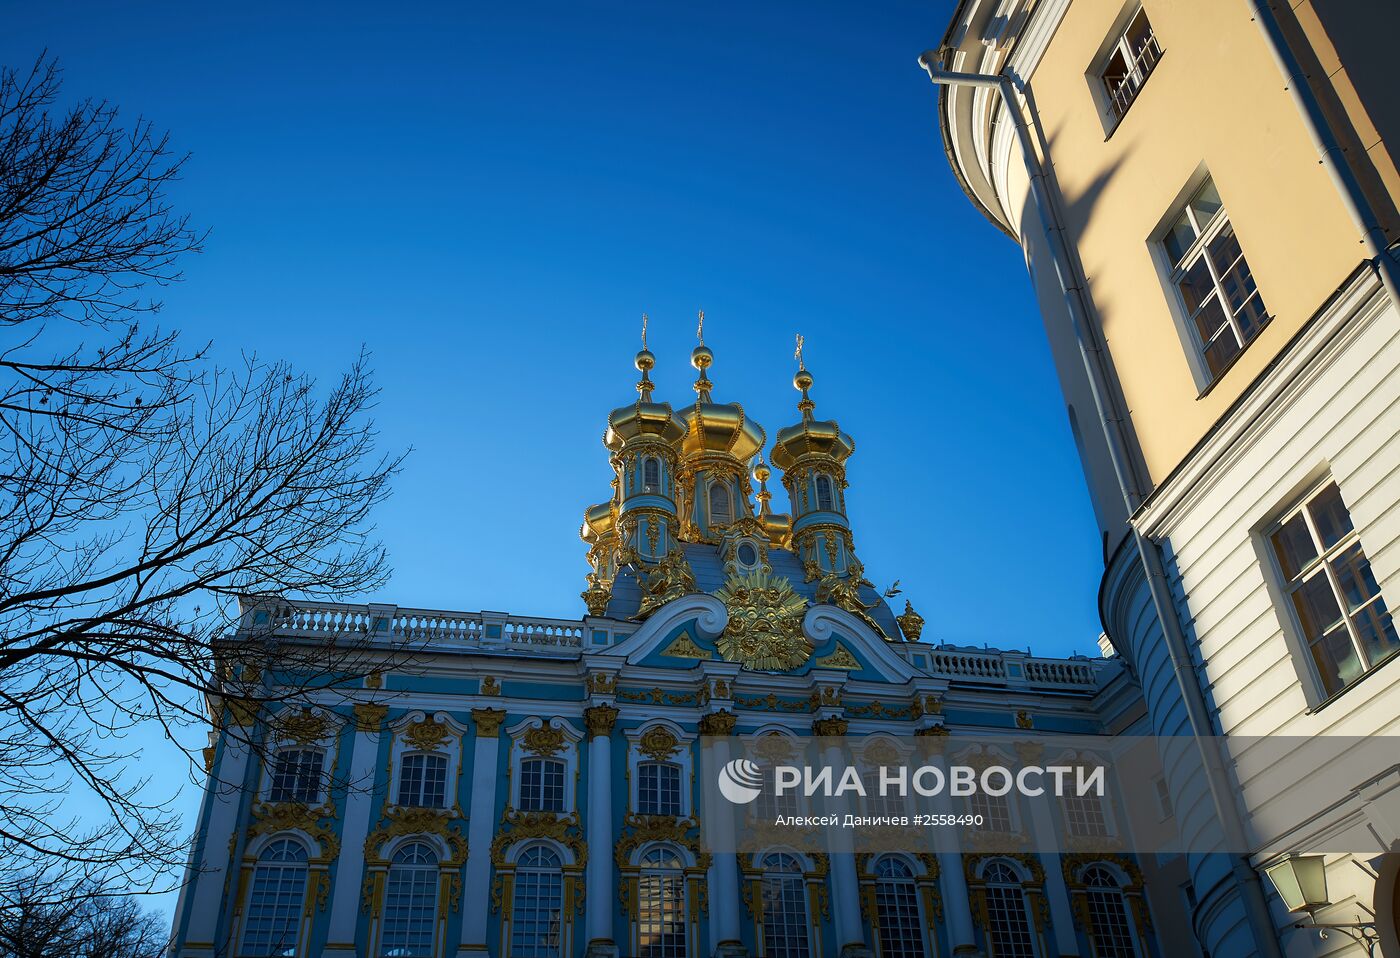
422, 783
682, 758
1140, 68
318, 796
450, 746
1172, 272
568, 754
280, 741
1282, 588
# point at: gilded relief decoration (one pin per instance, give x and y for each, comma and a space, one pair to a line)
844, 593
490, 686
600, 720
684, 647
544, 741
303, 727
601, 683
670, 579
404, 821
426, 735
316, 821
517, 826
488, 722
369, 717
658, 743
839, 658
764, 631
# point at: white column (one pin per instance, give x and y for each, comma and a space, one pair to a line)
359, 796
1043, 836
599, 879
952, 882
845, 885
725, 926
226, 788
476, 904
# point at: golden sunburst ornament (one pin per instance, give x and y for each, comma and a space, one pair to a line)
765, 622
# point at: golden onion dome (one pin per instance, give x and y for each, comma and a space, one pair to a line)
644, 417
810, 436
713, 427
597, 522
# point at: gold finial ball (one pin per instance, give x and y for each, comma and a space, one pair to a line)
701, 357
645, 360
761, 472
802, 379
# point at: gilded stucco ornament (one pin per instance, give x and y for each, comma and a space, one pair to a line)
764, 632
488, 722
303, 727
600, 720
544, 741
426, 735
658, 743
910, 622
418, 821
844, 593
718, 723
272, 817
671, 579
597, 596
369, 717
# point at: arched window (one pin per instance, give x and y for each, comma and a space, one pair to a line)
897, 910
296, 776
542, 785
824, 497
658, 788
538, 907
651, 474
1112, 931
423, 780
661, 905
785, 930
275, 901
410, 903
721, 510
1008, 926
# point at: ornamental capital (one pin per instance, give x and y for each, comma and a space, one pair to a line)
829, 727
488, 722
932, 730
369, 717
718, 723
600, 720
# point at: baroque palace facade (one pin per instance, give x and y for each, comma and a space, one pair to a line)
526, 788
1205, 193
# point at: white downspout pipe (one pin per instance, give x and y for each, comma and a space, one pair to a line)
1197, 711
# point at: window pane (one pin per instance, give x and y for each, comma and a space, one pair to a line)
1354, 575
1206, 203
1316, 605
1219, 353
1336, 659
1252, 317
1196, 285
1179, 238
1330, 516
1293, 545
1377, 631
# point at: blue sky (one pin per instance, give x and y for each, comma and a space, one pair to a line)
489, 196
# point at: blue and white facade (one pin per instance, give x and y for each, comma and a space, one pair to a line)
522, 787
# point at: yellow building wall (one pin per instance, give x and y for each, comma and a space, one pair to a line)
1216, 98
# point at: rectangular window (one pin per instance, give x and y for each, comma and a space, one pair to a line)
658, 789
1132, 57
1084, 816
296, 776
1334, 596
423, 781
541, 785
1214, 281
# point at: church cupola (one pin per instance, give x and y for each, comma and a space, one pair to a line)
645, 440
720, 441
812, 456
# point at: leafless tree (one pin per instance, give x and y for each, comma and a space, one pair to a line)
141, 489
43, 921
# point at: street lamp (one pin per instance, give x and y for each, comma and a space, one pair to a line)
1301, 881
